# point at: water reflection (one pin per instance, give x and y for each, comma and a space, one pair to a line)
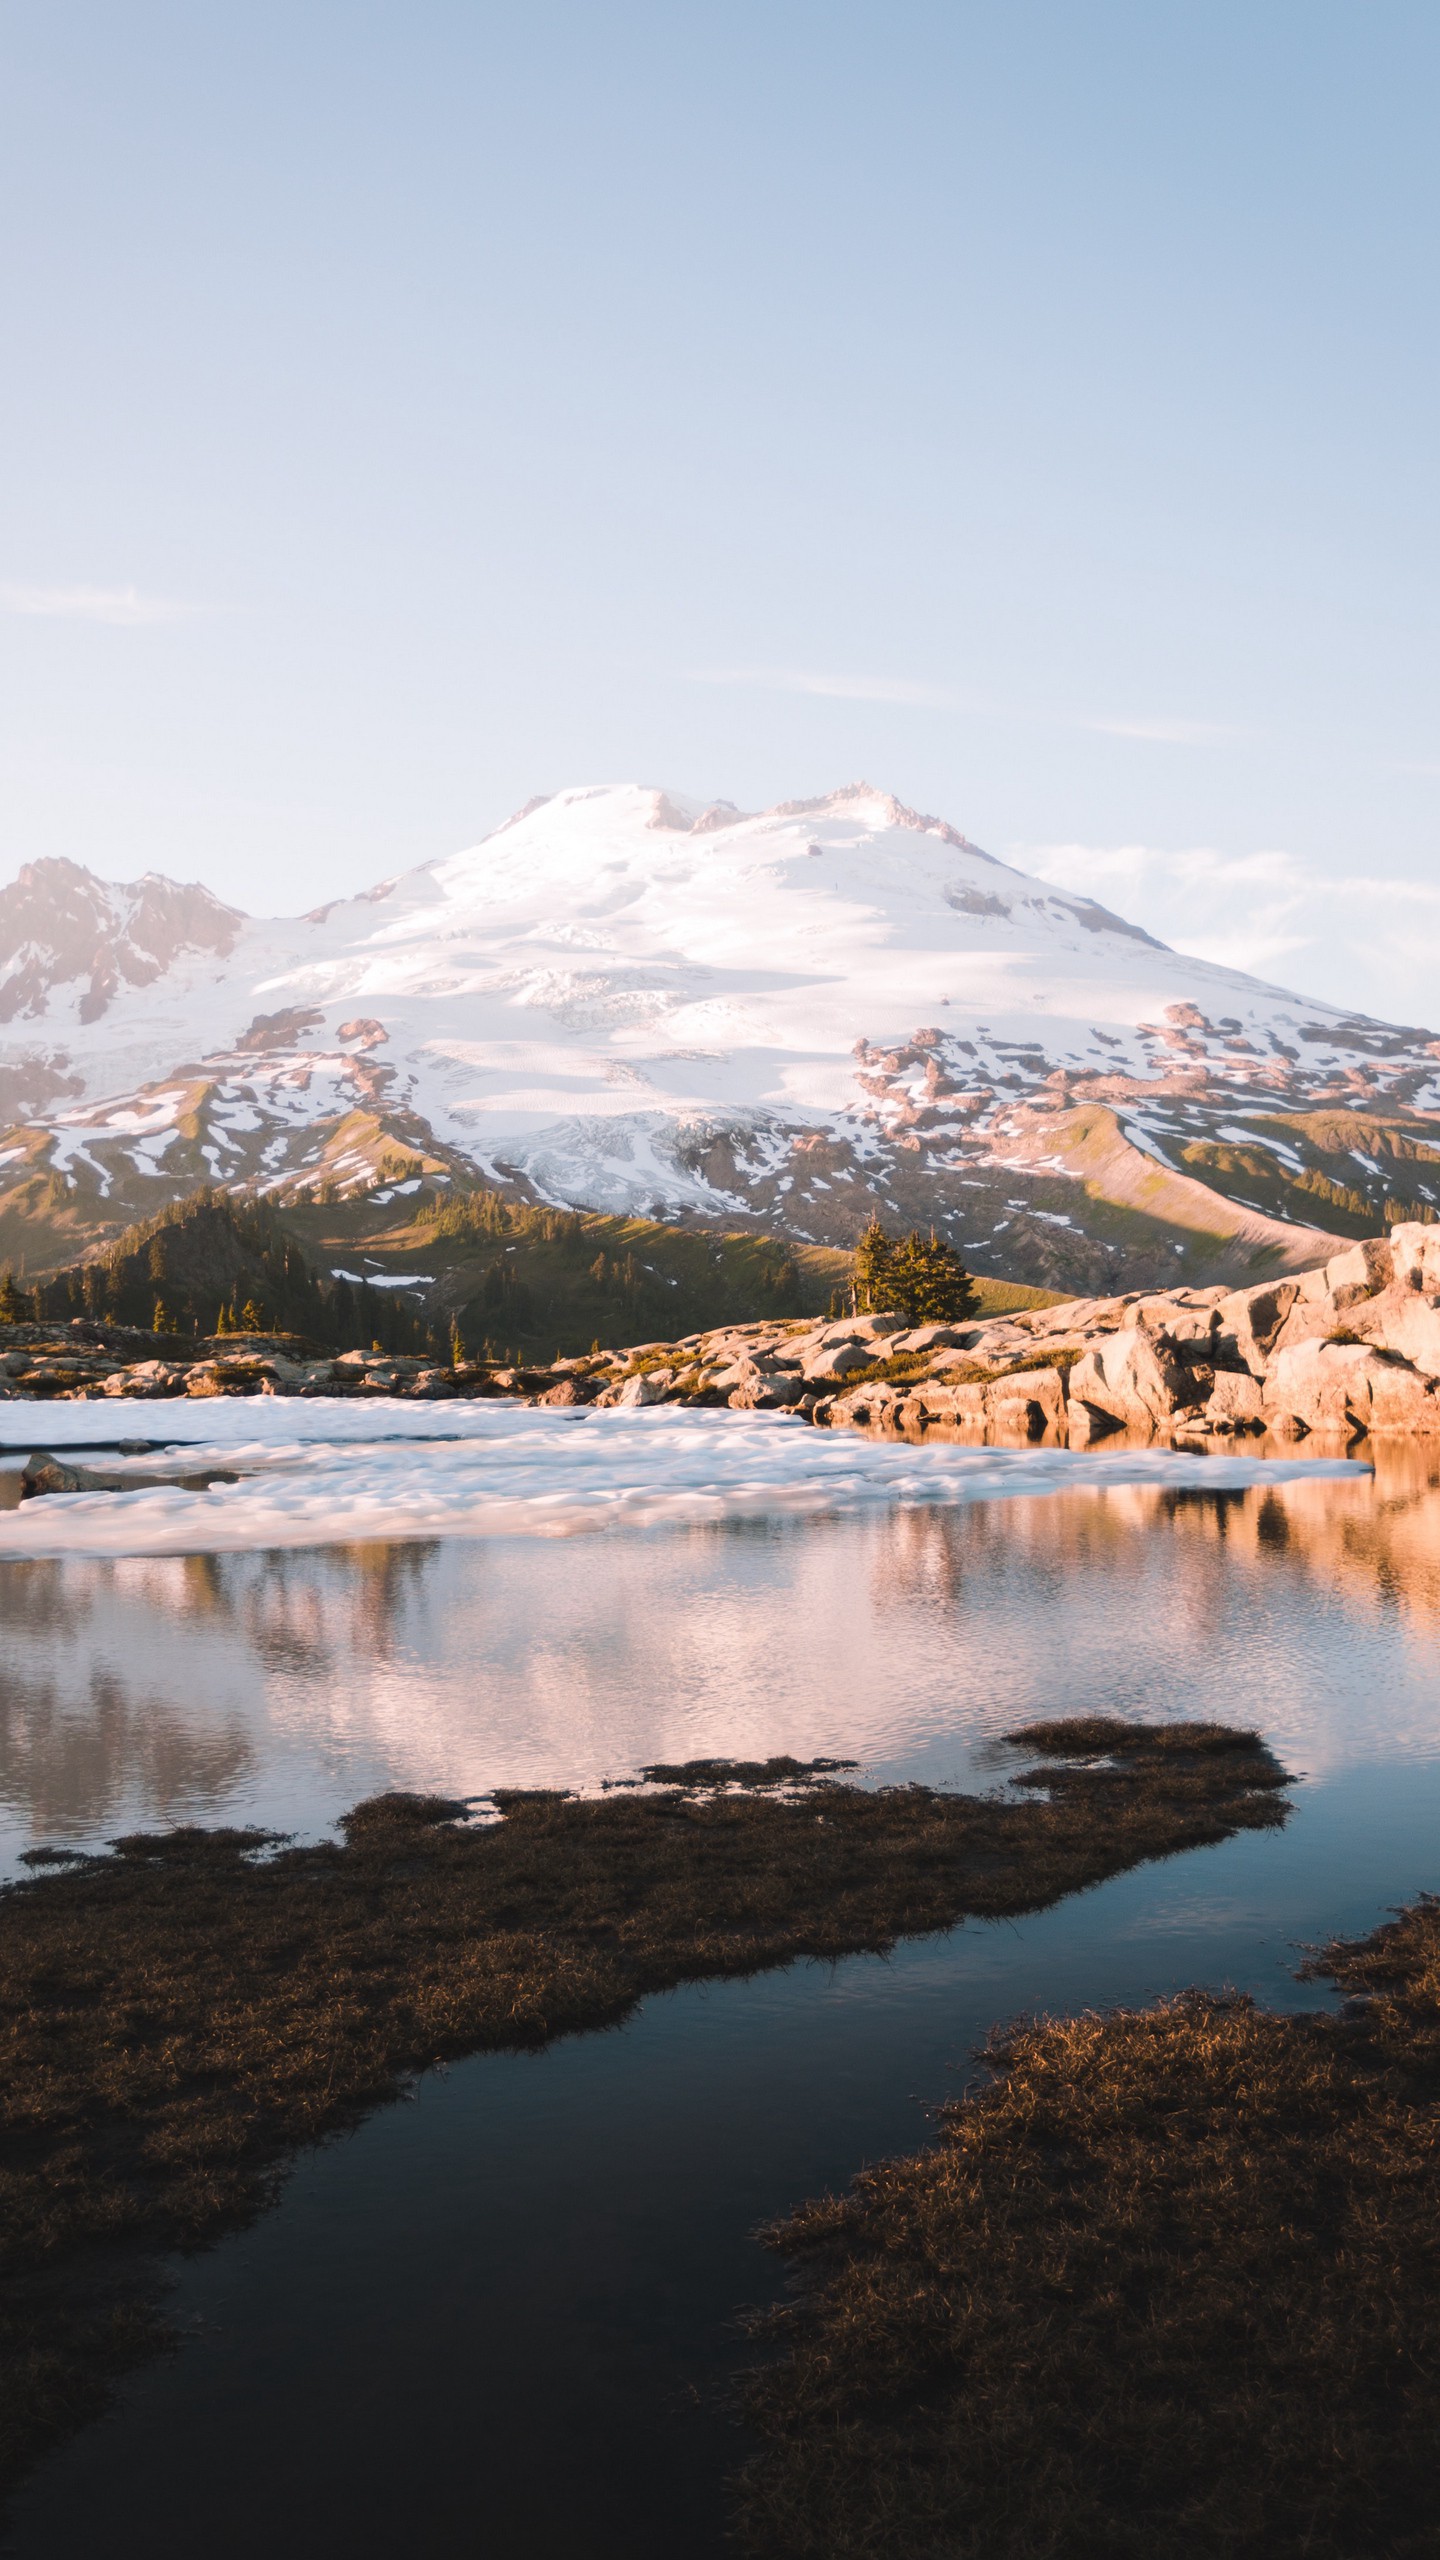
471, 2290
278, 1687
79, 1766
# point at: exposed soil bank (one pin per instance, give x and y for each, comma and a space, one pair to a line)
180, 2016
1170, 2285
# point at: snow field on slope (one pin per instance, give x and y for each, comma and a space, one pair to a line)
324, 1473
594, 976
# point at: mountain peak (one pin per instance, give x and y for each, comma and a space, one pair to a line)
63, 929
634, 998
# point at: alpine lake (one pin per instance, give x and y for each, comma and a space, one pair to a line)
504, 2316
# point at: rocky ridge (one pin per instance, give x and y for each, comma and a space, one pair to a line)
1351, 1347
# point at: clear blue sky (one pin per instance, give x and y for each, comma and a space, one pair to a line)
1031, 406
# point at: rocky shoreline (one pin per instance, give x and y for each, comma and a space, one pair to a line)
1350, 1347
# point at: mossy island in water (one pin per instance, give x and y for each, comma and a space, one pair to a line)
183, 2014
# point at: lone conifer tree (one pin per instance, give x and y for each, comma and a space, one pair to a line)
874, 1272
920, 1278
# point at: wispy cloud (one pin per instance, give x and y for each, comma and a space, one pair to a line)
119, 605
836, 688
908, 693
1370, 942
1164, 733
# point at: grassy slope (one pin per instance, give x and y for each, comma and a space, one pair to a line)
529, 1282
614, 1281
1360, 1173
1136, 1200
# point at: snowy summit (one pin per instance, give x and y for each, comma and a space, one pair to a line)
626, 999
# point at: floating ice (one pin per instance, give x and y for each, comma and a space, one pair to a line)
331, 1472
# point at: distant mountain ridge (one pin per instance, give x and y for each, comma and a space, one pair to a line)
627, 1000
61, 928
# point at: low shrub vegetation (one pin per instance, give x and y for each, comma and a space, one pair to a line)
179, 2015
1170, 2285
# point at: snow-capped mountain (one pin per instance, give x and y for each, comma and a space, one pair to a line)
623, 999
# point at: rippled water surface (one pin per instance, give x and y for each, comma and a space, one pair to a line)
498, 2319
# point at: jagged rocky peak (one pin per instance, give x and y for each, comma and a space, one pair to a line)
675, 815
62, 928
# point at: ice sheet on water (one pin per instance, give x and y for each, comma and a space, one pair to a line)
326, 1472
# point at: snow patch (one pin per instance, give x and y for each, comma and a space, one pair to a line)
329, 1471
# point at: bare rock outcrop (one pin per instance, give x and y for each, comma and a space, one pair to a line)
1137, 1378
1350, 1347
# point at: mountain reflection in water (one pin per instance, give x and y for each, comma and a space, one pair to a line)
279, 1687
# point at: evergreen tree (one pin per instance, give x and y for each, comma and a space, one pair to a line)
14, 1305
874, 1270
252, 1318
920, 1278
162, 1321
940, 1287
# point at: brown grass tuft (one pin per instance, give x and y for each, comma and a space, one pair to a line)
178, 2016
1170, 2285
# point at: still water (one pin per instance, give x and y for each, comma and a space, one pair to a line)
500, 2319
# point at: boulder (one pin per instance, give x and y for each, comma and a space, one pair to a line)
1339, 1298
147, 1378
43, 1473
433, 1385
1020, 1418
1180, 1322
868, 1407
566, 1391
210, 1378
1320, 1384
1401, 1319
1085, 1422
934, 1337
1236, 1402
837, 1360
932, 1400
1403, 1399
1312, 1319
764, 1394
1029, 1401
1415, 1257
651, 1387
1135, 1379
1359, 1273
1349, 1386
1248, 1322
